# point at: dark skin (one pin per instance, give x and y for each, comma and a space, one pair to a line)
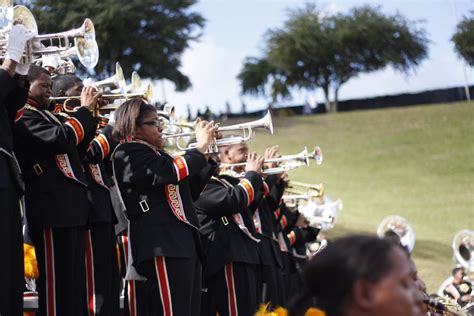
41, 91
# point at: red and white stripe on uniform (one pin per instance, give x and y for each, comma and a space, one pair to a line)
244, 183
231, 296
50, 274
90, 279
132, 298
292, 237
181, 168
76, 126
164, 286
103, 144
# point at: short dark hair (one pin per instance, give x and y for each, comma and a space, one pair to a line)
35, 72
128, 116
456, 270
330, 275
64, 83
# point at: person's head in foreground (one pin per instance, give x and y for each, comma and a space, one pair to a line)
359, 276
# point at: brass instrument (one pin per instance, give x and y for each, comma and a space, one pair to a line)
144, 94
322, 216
247, 130
134, 86
116, 80
284, 163
463, 249
294, 197
85, 45
398, 227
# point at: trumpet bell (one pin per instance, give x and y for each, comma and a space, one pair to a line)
136, 82
397, 227
87, 52
463, 248
23, 15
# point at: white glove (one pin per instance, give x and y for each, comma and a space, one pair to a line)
16, 42
22, 69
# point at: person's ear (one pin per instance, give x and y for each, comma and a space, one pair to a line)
363, 294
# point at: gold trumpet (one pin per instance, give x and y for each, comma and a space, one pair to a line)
284, 163
294, 197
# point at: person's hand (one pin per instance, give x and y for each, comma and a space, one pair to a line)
205, 132
89, 97
271, 152
18, 36
301, 221
254, 163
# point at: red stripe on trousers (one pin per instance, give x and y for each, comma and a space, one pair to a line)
231, 290
161, 274
90, 275
50, 280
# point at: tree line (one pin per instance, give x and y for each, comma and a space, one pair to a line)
310, 51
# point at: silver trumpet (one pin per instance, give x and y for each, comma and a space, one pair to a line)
247, 130
84, 44
284, 163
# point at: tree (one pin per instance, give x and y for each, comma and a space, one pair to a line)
464, 39
315, 51
148, 36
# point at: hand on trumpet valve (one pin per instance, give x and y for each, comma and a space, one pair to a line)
271, 152
254, 163
90, 97
205, 135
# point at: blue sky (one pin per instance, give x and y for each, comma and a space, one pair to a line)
235, 29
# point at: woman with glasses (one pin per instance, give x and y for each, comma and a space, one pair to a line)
158, 191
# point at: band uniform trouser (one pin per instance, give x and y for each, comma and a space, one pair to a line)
102, 275
12, 282
129, 289
233, 290
60, 254
173, 287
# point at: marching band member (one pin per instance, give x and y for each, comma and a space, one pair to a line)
102, 276
225, 210
13, 93
56, 192
158, 192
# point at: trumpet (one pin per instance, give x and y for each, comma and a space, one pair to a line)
85, 45
247, 130
134, 86
144, 94
398, 227
294, 198
285, 163
117, 80
322, 216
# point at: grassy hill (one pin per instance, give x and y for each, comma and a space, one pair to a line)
417, 162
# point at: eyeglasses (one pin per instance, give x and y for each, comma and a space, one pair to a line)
155, 123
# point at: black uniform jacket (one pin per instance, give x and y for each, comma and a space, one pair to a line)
158, 192
223, 240
47, 148
12, 98
99, 181
266, 227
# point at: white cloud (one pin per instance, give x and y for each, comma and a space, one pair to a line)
212, 70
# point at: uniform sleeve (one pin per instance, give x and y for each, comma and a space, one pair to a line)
137, 165
101, 146
300, 236
218, 200
15, 100
55, 138
7, 83
199, 181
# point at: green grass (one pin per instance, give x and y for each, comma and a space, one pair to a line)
417, 162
